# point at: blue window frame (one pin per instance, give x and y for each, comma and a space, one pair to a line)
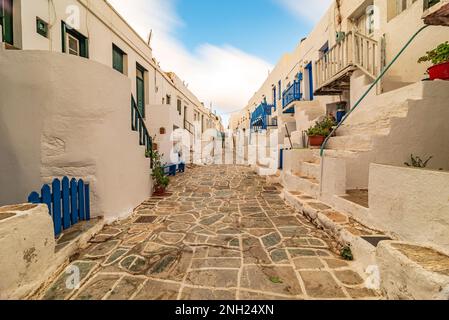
280, 90
274, 97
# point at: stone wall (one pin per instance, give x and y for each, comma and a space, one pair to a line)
27, 249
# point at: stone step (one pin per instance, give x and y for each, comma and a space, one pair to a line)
381, 127
352, 142
334, 153
296, 183
312, 170
359, 212
339, 225
413, 272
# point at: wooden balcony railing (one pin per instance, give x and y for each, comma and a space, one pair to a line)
355, 50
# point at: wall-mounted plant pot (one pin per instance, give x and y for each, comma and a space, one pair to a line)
162, 131
155, 147
316, 141
439, 71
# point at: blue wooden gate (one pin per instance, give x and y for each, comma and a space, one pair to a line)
68, 202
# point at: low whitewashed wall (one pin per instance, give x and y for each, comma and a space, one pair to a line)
411, 203
62, 115
27, 249
423, 130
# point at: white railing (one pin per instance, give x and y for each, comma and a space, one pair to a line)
355, 50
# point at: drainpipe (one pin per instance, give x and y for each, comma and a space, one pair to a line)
374, 84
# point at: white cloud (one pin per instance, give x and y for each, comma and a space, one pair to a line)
223, 75
312, 10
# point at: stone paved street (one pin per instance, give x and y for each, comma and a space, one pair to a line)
222, 233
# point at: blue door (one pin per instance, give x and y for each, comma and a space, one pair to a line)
310, 76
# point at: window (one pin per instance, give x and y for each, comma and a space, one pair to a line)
73, 45
6, 20
168, 99
179, 106
74, 42
42, 27
118, 59
274, 97
402, 5
324, 50
140, 88
430, 3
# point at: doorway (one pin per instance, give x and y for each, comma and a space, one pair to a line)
309, 72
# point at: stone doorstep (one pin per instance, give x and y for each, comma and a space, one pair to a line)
62, 256
342, 227
409, 271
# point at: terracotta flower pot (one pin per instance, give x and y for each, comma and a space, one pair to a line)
316, 141
159, 190
439, 71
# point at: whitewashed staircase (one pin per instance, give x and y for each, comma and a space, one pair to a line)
365, 136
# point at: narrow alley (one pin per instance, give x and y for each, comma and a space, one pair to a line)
223, 233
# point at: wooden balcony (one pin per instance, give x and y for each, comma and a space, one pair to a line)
436, 12
334, 69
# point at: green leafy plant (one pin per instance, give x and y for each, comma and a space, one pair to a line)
438, 55
417, 162
276, 280
346, 253
322, 128
161, 181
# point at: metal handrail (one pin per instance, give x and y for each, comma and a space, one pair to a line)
138, 125
384, 71
188, 126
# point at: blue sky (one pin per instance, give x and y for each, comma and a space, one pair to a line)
222, 49
260, 27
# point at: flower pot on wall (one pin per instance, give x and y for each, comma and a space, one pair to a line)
316, 141
439, 71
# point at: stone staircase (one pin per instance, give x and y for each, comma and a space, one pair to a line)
376, 132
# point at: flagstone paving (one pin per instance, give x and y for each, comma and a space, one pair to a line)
222, 233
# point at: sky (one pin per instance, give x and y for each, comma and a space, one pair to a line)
223, 49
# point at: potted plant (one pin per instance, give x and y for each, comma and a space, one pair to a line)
161, 181
319, 132
316, 136
440, 60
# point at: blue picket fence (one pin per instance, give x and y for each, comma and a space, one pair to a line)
68, 202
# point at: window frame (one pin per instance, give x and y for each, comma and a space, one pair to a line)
179, 106
7, 21
117, 52
83, 40
44, 32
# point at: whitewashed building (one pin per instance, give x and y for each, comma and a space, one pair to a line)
70, 70
362, 171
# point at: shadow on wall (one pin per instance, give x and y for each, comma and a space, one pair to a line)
62, 115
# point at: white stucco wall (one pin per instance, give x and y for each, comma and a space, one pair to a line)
103, 27
411, 203
422, 130
62, 115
